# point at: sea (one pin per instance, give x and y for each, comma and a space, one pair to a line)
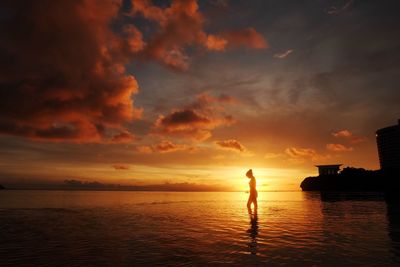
115, 228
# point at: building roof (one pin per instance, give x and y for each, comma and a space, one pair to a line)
329, 166
389, 128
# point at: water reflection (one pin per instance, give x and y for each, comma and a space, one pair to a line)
347, 207
351, 196
253, 231
199, 229
393, 216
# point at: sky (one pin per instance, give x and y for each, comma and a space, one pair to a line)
193, 93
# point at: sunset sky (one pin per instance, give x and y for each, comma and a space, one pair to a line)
194, 92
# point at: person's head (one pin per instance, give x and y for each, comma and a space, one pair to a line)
249, 174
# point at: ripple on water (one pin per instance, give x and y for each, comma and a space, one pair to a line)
168, 230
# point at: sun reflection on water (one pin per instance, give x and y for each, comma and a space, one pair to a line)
148, 228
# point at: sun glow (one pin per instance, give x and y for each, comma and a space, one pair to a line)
268, 179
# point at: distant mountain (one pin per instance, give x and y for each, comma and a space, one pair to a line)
353, 179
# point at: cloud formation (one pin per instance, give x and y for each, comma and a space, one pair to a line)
62, 75
300, 155
231, 144
337, 10
196, 120
121, 167
181, 25
165, 146
249, 38
283, 54
338, 148
62, 65
300, 152
343, 133
346, 134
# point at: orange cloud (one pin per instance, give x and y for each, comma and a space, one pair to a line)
73, 88
231, 144
349, 136
300, 155
196, 120
300, 152
343, 133
216, 43
249, 38
76, 88
165, 146
181, 25
134, 39
121, 167
338, 148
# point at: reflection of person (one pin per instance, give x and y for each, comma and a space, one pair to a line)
253, 191
253, 232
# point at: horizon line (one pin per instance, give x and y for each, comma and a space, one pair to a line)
133, 190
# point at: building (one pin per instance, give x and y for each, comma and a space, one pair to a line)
388, 141
328, 169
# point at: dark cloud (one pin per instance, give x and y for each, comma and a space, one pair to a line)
197, 120
220, 3
181, 118
121, 167
62, 75
77, 184
337, 10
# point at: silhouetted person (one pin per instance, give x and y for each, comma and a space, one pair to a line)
253, 191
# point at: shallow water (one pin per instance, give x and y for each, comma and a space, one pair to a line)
87, 228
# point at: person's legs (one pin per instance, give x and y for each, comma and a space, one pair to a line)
249, 202
252, 199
